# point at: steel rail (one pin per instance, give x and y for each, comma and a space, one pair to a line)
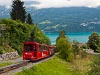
12, 67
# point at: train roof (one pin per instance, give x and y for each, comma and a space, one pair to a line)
29, 42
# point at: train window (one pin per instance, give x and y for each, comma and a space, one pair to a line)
51, 48
45, 47
28, 47
40, 48
34, 47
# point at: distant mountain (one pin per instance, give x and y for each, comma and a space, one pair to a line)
71, 19
98, 7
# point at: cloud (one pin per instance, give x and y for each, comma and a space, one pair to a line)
67, 3
58, 3
5, 2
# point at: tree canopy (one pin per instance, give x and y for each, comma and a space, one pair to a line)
29, 19
18, 11
94, 41
61, 35
63, 45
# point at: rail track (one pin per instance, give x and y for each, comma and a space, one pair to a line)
12, 67
19, 67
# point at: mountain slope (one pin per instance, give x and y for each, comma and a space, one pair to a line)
71, 19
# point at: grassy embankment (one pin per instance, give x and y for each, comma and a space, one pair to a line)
57, 66
3, 63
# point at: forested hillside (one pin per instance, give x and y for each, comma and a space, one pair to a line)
71, 19
17, 32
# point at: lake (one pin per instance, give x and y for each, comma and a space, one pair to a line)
81, 37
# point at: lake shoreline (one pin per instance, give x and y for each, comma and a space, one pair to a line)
81, 37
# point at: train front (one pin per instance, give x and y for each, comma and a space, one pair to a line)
29, 51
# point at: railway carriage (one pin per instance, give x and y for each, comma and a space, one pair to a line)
35, 51
51, 50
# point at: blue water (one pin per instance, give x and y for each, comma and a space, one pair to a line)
81, 37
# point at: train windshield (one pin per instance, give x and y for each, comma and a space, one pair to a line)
29, 47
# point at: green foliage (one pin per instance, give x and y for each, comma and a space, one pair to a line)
2, 50
63, 45
94, 41
70, 57
95, 66
84, 46
16, 33
61, 35
40, 37
75, 48
29, 19
1, 41
18, 11
82, 53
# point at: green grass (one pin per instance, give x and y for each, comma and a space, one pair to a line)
57, 66
2, 64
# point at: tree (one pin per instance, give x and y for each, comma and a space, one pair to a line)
61, 35
63, 46
29, 19
18, 11
75, 48
94, 41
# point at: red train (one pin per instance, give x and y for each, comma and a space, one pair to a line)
35, 51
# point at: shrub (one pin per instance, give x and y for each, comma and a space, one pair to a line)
1, 50
95, 66
70, 57
82, 53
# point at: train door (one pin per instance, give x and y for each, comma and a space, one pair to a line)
28, 52
40, 52
35, 50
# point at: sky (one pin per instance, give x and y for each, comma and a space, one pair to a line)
57, 3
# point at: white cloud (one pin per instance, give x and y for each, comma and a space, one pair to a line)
67, 3
58, 3
5, 2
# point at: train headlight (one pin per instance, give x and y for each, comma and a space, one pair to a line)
32, 57
25, 53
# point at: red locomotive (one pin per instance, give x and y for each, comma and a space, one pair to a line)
35, 51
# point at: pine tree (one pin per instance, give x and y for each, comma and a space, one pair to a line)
18, 11
29, 19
